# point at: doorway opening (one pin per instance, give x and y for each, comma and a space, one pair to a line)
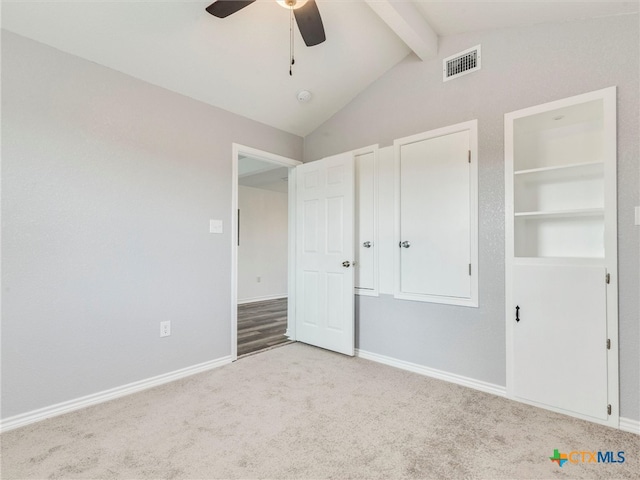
263, 215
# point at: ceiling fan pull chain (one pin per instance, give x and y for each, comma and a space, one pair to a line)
291, 46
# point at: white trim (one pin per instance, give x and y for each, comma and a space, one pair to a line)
433, 373
626, 424
268, 157
375, 291
509, 249
629, 425
472, 127
609, 100
262, 299
106, 395
291, 280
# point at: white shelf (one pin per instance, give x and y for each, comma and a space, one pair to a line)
560, 235
560, 171
560, 188
571, 213
556, 260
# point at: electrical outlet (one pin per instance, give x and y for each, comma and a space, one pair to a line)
258, 279
165, 328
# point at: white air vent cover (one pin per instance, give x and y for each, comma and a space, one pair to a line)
461, 63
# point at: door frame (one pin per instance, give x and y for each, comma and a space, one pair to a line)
237, 150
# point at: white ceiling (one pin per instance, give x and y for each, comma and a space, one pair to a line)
240, 63
256, 173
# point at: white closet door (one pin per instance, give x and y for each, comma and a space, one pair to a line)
435, 209
325, 253
559, 349
365, 244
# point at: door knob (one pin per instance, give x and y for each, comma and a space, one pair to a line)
346, 264
405, 244
366, 244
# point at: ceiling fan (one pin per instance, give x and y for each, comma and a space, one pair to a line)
305, 12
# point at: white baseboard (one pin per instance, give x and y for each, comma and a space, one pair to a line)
100, 397
432, 372
626, 424
262, 299
629, 425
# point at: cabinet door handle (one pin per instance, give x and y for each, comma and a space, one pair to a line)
404, 244
366, 244
517, 313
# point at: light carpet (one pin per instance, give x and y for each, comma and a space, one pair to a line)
302, 412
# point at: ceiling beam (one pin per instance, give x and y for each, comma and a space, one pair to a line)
407, 22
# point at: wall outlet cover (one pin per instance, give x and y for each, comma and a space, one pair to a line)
165, 329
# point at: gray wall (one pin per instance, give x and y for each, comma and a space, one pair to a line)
520, 68
263, 249
108, 185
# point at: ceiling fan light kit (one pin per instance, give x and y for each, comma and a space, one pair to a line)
291, 3
306, 14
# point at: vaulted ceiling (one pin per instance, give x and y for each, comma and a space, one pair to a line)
241, 63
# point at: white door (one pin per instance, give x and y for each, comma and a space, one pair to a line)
559, 348
365, 246
435, 216
325, 253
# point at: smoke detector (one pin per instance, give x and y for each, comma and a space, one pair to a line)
304, 96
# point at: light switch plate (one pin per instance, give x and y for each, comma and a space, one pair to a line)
638, 216
215, 226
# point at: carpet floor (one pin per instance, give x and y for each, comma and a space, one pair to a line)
302, 412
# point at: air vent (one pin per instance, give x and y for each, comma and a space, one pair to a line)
461, 63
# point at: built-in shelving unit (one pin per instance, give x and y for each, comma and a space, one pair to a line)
561, 255
558, 182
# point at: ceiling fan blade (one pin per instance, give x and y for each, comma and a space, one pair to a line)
310, 23
224, 8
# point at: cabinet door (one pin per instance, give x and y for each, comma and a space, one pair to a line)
366, 244
435, 213
559, 349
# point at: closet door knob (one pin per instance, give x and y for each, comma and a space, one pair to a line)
405, 244
346, 264
366, 244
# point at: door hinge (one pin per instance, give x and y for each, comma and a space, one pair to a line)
469, 269
469, 156
608, 278
608, 344
608, 409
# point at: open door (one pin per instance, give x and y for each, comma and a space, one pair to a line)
325, 253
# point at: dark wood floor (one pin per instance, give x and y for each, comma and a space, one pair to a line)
261, 325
